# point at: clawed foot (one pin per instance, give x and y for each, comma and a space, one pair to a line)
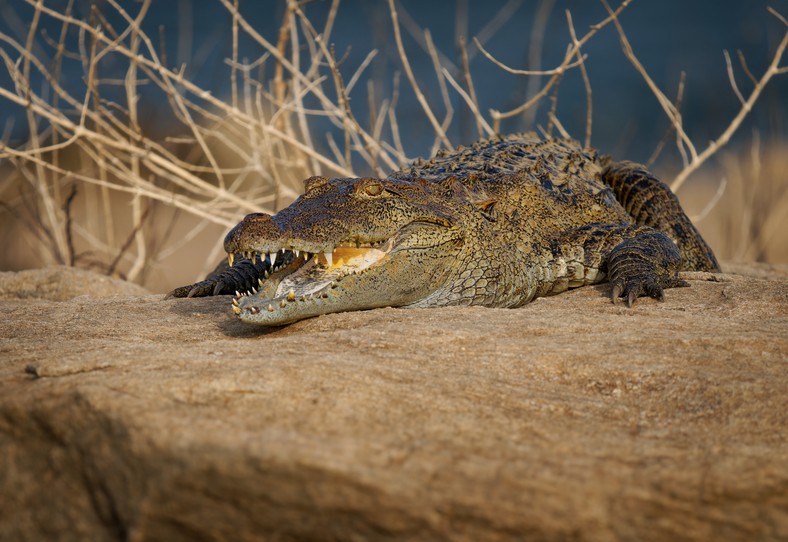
644, 266
203, 288
244, 276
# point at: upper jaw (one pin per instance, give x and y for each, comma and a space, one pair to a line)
274, 251
265, 236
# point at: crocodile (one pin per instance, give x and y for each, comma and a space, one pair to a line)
498, 224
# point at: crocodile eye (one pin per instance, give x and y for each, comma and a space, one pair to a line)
373, 189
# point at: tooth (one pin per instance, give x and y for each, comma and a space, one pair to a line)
291, 295
270, 308
266, 274
236, 309
235, 302
260, 283
237, 293
272, 258
254, 290
296, 252
329, 256
254, 310
283, 303
230, 258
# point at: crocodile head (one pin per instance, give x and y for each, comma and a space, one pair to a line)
348, 244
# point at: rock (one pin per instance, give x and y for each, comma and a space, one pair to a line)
132, 417
61, 283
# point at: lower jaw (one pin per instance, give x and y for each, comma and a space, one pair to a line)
291, 308
280, 312
306, 289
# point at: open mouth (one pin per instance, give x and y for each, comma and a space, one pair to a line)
297, 276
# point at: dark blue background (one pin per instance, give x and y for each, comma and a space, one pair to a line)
669, 36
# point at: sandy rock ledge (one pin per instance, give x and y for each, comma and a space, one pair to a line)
124, 416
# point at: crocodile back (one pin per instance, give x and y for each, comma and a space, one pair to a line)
556, 180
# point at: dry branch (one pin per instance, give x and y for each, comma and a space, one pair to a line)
697, 159
412, 78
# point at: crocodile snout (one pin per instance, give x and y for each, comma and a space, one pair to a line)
251, 230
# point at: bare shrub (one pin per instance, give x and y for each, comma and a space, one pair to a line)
94, 185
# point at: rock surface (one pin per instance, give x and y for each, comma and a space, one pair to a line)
131, 417
61, 283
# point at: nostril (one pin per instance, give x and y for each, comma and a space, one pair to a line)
256, 216
314, 182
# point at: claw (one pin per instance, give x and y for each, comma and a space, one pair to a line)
616, 293
631, 297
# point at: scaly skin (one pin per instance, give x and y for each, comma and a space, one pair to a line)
496, 224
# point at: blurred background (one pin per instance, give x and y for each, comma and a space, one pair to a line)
353, 110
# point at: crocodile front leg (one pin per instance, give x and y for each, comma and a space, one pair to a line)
637, 260
225, 280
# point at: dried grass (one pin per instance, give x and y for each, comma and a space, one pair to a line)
745, 219
94, 186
